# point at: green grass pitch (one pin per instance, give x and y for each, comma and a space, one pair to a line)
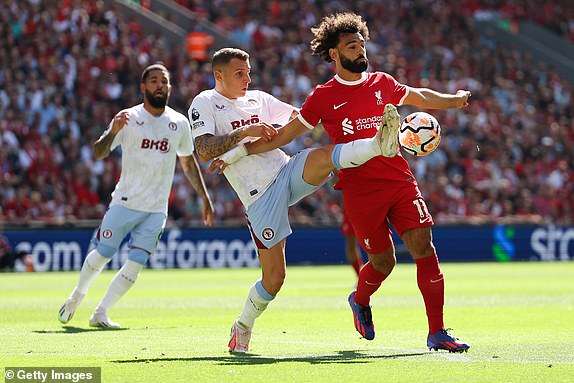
517, 317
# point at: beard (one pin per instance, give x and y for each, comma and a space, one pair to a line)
354, 66
158, 102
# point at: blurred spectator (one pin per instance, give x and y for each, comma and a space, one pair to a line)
9, 257
66, 66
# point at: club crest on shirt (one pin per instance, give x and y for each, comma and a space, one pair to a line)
379, 97
268, 234
172, 126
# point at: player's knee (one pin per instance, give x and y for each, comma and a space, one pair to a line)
318, 166
419, 242
138, 255
327, 152
387, 265
106, 251
384, 262
423, 249
275, 282
322, 157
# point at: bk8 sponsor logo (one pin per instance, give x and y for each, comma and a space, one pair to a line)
239, 123
162, 146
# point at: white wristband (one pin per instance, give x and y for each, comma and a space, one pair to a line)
234, 154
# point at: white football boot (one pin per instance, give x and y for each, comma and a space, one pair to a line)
69, 307
388, 134
102, 320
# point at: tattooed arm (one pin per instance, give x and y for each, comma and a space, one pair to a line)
209, 147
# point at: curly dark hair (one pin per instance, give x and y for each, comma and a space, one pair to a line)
328, 32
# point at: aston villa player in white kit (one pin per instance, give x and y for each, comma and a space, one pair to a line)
151, 135
230, 116
382, 190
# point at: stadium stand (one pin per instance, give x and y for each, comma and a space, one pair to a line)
66, 67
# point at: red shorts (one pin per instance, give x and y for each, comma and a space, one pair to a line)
372, 206
346, 227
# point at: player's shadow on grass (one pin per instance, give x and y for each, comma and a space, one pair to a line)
351, 356
76, 330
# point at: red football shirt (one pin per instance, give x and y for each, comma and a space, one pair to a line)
353, 110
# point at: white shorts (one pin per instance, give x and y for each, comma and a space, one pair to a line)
268, 217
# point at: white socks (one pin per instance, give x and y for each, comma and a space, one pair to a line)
257, 301
93, 265
121, 283
355, 153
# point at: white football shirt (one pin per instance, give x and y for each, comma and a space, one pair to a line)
212, 113
150, 145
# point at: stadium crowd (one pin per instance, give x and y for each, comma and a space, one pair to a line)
66, 67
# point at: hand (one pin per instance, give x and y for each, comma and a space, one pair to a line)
120, 120
207, 210
463, 96
228, 158
217, 165
262, 130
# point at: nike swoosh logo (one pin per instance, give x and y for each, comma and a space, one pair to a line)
438, 280
423, 220
335, 107
372, 284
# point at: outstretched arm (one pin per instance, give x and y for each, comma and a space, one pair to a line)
104, 143
431, 99
285, 135
193, 175
209, 146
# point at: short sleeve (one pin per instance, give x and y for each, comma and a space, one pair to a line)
280, 112
201, 120
394, 88
117, 141
310, 114
186, 143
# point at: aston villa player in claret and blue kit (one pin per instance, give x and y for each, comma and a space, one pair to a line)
152, 137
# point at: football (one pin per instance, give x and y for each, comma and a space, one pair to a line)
419, 134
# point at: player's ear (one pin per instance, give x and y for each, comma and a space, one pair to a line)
333, 54
142, 87
217, 75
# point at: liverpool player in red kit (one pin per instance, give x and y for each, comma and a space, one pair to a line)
383, 189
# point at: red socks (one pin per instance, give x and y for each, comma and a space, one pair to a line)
429, 279
431, 285
357, 265
369, 281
